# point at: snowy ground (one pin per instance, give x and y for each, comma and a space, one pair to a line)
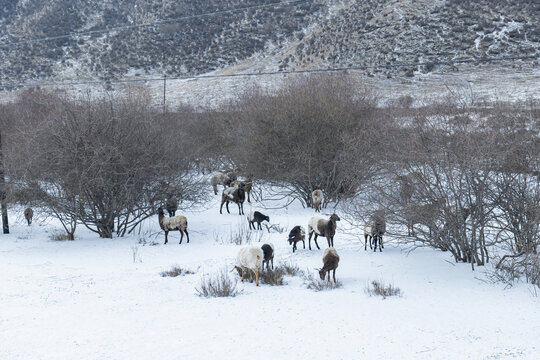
105, 299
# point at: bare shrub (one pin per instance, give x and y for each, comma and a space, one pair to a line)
315, 133
315, 283
379, 288
176, 271
217, 285
239, 236
60, 236
291, 269
273, 277
513, 268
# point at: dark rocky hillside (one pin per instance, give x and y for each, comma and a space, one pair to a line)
375, 34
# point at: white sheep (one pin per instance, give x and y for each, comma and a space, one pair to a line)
317, 197
173, 223
249, 259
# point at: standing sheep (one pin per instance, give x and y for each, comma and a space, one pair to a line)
234, 194
322, 227
256, 217
248, 185
331, 262
222, 178
173, 223
171, 205
28, 215
317, 197
374, 230
297, 234
268, 251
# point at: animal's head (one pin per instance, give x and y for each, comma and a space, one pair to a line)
160, 211
334, 217
237, 268
267, 218
322, 273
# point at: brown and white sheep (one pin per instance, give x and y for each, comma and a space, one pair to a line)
322, 227
173, 223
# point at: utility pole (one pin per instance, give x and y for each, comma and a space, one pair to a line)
5, 223
164, 88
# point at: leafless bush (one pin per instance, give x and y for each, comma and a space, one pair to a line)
217, 285
314, 133
60, 236
291, 268
241, 235
513, 268
314, 283
273, 277
379, 288
97, 162
176, 271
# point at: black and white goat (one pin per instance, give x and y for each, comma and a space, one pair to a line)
173, 223
330, 263
233, 194
297, 234
322, 227
248, 185
256, 217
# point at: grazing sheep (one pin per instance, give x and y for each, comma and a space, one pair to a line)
331, 262
173, 223
426, 214
28, 215
268, 251
297, 234
317, 197
322, 227
248, 185
249, 259
222, 178
374, 230
171, 205
256, 217
235, 194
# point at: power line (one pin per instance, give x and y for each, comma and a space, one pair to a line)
269, 73
153, 23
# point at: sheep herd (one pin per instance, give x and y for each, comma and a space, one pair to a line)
250, 259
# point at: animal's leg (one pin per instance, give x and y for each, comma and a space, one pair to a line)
249, 198
221, 207
304, 243
250, 275
335, 276
309, 238
249, 222
315, 238
166, 240
227, 206
215, 188
181, 236
187, 236
242, 279
257, 277
272, 263
365, 241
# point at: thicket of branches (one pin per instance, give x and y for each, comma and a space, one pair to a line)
459, 177
103, 163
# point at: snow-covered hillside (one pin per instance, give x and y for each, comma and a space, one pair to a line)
105, 299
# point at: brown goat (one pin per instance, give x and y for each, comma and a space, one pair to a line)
331, 262
28, 215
